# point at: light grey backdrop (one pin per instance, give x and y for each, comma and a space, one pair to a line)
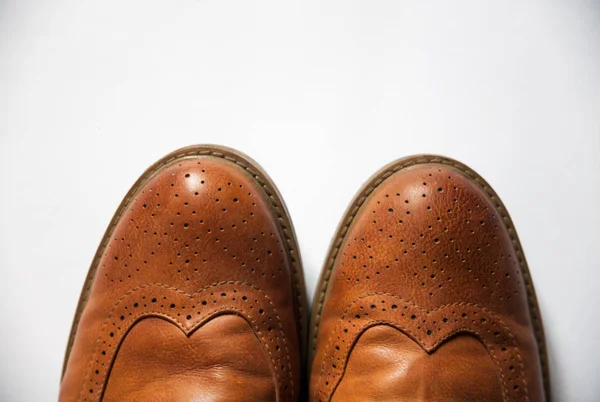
321, 93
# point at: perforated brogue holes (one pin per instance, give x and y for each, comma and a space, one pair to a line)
435, 231
178, 225
189, 312
196, 222
429, 329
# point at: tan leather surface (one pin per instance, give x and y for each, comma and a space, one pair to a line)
427, 255
212, 364
387, 365
199, 241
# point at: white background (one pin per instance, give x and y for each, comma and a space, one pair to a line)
322, 94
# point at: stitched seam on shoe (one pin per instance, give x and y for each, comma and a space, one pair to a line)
275, 203
132, 290
439, 342
490, 193
459, 330
458, 304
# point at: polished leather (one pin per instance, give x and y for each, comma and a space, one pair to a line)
192, 295
426, 297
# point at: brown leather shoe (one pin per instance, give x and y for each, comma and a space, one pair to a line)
196, 291
426, 295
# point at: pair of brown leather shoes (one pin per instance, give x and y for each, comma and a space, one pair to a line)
197, 293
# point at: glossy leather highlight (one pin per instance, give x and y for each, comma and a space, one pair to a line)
426, 252
196, 292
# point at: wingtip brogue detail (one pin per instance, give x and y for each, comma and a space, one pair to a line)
189, 312
429, 329
431, 231
202, 235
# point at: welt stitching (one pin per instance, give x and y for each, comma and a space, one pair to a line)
132, 290
143, 180
533, 309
